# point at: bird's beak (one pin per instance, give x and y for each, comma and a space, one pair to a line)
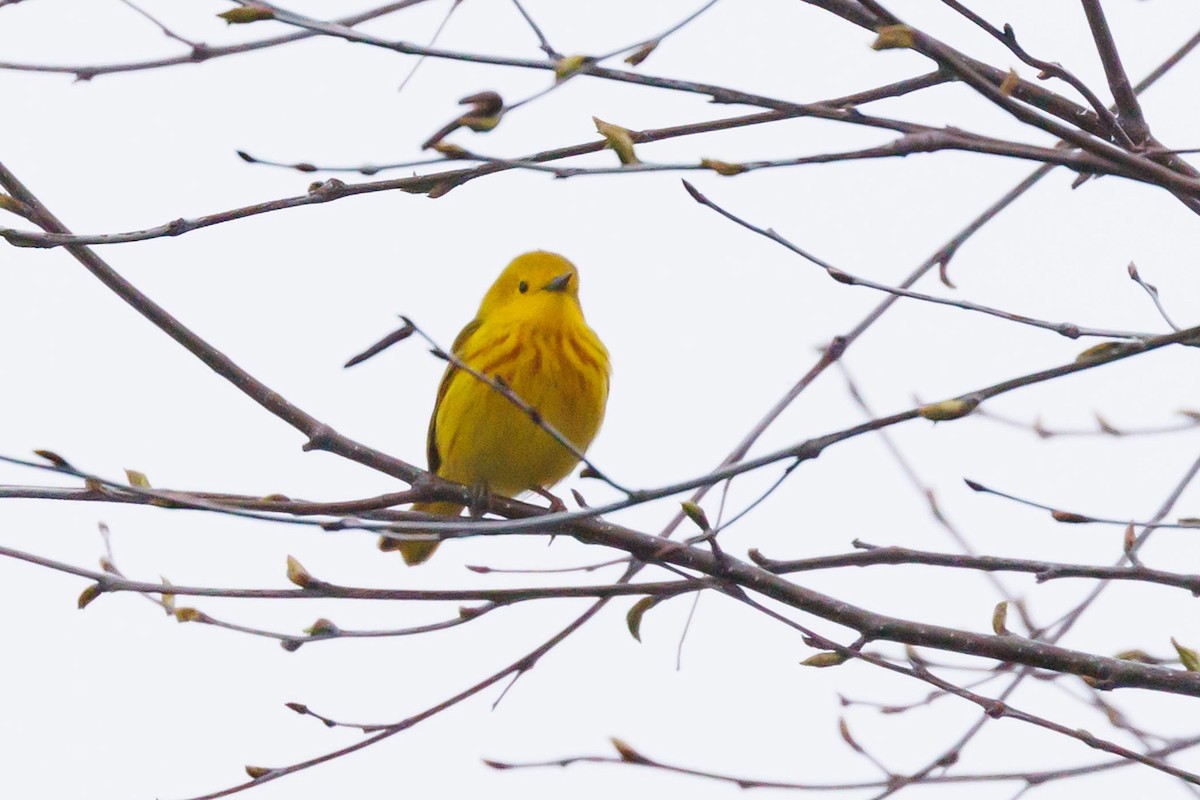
559, 284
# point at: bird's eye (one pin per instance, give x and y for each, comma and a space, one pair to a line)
522, 287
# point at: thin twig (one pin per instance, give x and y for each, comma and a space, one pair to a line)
170, 34
1152, 291
1043, 571
1118, 81
85, 72
454, 4
543, 42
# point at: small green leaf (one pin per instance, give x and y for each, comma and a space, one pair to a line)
246, 14
999, 618
137, 479
1187, 656
451, 151
1101, 351
480, 123
641, 54
891, 37
186, 614
1009, 83
722, 167
948, 409
827, 658
88, 595
569, 65
168, 599
1070, 517
634, 617
297, 574
322, 627
54, 458
619, 139
696, 514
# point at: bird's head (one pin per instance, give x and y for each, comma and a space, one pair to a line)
535, 284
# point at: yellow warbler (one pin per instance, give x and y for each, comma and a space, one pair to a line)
530, 334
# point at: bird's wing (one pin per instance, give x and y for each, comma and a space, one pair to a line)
431, 449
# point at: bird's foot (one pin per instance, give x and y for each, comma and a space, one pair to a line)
478, 497
556, 503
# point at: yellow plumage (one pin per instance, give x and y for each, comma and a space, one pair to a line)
530, 333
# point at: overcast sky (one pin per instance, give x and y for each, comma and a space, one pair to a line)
707, 324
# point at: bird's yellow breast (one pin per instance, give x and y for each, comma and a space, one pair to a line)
558, 366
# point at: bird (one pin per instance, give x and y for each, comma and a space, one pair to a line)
530, 336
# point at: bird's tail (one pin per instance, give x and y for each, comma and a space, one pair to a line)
417, 552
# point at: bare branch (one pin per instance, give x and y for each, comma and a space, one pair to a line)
200, 53
1042, 570
1126, 99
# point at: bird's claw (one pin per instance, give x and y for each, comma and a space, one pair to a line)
557, 506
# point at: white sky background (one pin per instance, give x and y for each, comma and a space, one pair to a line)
707, 325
